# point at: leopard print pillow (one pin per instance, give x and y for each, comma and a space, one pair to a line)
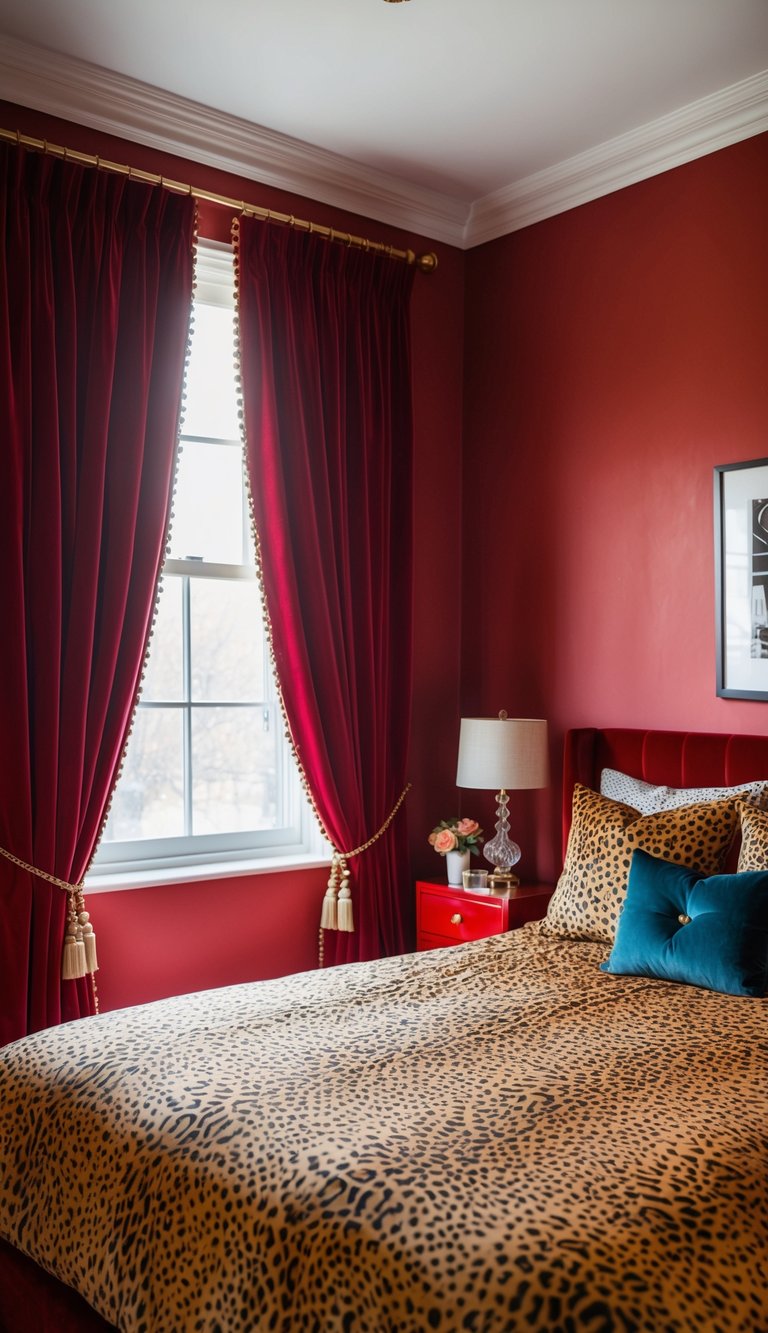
604, 834
754, 838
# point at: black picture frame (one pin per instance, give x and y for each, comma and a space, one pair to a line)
741, 579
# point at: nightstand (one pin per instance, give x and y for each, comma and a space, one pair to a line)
446, 915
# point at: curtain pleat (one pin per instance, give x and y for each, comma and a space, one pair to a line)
96, 278
325, 364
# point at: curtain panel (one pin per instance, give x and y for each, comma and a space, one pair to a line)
325, 365
96, 276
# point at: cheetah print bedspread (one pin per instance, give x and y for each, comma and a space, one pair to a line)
491, 1137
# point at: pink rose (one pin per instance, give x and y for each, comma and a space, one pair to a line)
466, 827
431, 839
445, 841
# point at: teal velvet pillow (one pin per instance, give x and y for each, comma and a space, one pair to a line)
677, 925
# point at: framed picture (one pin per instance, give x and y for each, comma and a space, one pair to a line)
741, 579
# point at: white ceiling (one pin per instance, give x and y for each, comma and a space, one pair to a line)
441, 100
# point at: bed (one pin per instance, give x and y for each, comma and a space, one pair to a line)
498, 1136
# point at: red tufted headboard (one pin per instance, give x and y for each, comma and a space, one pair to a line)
673, 758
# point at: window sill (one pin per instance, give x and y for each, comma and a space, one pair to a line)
113, 881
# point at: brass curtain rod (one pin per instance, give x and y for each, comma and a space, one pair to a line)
427, 263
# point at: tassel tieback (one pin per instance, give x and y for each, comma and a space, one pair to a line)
79, 955
79, 952
337, 904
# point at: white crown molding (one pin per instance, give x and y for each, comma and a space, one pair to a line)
702, 127
115, 104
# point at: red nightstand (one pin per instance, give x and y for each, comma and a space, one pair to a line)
447, 915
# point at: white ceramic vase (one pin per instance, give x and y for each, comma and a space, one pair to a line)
455, 864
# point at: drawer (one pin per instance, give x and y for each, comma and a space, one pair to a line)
457, 919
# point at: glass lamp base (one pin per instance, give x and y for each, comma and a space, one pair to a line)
501, 851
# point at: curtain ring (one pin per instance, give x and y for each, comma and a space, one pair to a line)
291, 221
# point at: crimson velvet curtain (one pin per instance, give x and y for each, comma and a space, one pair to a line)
95, 290
324, 338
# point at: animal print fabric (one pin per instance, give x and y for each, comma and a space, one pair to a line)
591, 890
647, 799
492, 1137
754, 838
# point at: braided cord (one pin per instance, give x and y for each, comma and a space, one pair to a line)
365, 845
41, 874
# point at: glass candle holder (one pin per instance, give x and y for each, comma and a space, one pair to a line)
476, 880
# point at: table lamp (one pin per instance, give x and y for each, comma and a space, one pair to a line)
502, 754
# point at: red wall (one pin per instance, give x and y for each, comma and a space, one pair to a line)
607, 359
160, 941
171, 939
614, 355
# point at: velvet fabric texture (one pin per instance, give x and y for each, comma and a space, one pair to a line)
95, 290
674, 758
678, 926
324, 335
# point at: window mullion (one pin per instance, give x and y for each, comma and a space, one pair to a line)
247, 555
186, 635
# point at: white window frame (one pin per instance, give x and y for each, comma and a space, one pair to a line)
198, 856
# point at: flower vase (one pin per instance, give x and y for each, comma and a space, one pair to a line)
456, 863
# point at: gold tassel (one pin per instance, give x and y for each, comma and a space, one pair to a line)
337, 911
89, 942
328, 919
337, 903
78, 955
70, 962
82, 969
73, 958
344, 909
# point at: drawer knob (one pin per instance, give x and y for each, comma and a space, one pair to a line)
456, 919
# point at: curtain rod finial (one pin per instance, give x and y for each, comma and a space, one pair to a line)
427, 263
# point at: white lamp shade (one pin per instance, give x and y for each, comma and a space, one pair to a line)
508, 752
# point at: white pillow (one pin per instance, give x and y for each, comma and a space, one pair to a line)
649, 800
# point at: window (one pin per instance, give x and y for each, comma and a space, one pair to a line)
208, 774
